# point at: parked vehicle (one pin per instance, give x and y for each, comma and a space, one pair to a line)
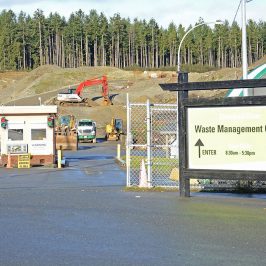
114, 130
66, 133
86, 130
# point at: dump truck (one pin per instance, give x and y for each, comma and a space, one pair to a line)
114, 130
86, 130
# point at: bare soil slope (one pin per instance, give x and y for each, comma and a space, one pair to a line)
27, 88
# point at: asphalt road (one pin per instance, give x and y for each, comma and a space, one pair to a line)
81, 215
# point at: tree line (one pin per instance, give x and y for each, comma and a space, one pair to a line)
27, 42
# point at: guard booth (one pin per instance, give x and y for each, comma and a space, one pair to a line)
27, 130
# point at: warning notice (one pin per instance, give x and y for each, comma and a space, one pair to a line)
24, 161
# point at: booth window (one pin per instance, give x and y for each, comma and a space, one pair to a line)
15, 134
38, 134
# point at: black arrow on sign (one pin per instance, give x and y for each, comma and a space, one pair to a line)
199, 144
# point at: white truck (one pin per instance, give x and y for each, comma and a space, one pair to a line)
86, 130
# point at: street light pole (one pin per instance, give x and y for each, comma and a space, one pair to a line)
244, 42
179, 48
246, 92
182, 95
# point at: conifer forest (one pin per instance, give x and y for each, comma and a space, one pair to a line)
93, 39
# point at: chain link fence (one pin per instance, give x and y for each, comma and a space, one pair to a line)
152, 138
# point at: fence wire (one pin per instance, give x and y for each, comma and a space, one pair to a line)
152, 138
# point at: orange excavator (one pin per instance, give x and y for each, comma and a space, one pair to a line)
74, 95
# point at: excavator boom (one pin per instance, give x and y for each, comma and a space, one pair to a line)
92, 82
75, 96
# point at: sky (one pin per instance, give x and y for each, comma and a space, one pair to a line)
183, 12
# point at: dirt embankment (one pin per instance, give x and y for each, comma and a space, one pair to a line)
43, 83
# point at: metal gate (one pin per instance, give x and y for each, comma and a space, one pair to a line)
152, 139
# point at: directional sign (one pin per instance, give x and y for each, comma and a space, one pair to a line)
199, 144
227, 138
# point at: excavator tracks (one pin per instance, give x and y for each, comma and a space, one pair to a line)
86, 102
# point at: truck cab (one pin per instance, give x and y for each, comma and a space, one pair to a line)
86, 130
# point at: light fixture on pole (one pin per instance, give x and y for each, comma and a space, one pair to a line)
183, 77
217, 22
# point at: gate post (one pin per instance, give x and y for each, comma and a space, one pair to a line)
184, 184
148, 143
128, 141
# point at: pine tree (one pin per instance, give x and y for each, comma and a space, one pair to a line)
27, 42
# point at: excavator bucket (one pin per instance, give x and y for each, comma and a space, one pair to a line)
66, 142
107, 101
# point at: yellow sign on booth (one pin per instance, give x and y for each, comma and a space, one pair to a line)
24, 161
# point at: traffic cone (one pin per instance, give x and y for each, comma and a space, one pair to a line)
174, 176
9, 164
143, 181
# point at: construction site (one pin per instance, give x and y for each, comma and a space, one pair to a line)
91, 101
